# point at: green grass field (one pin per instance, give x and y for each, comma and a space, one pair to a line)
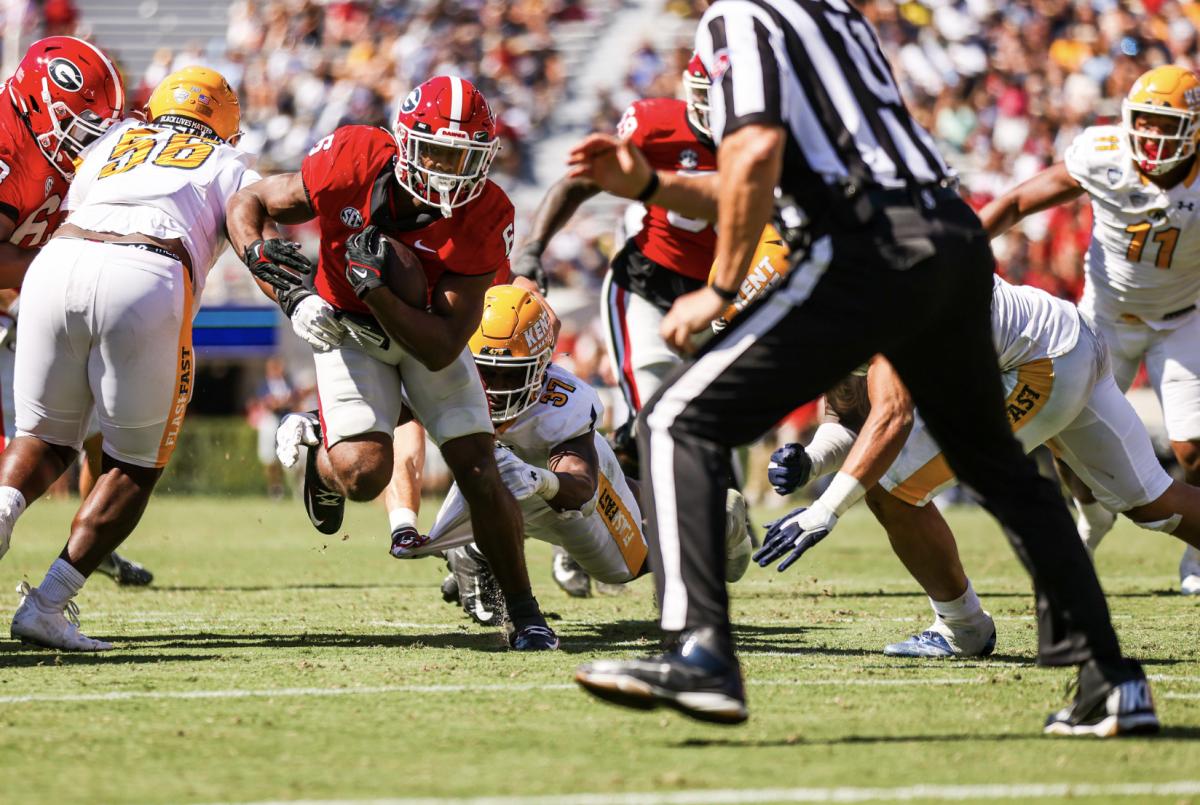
268, 664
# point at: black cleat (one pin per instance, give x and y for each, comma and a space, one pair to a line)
478, 591
693, 677
534, 637
450, 589
125, 572
569, 576
1110, 700
324, 506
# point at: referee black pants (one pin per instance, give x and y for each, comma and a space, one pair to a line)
917, 287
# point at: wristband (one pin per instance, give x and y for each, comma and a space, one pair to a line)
728, 296
650, 189
843, 492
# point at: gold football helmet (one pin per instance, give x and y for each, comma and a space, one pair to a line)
198, 95
768, 267
512, 348
1172, 96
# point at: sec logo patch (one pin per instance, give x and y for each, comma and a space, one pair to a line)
352, 218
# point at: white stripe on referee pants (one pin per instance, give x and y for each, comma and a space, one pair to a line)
691, 384
614, 325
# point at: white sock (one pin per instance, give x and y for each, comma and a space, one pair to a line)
399, 518
12, 504
964, 609
61, 584
828, 449
1094, 522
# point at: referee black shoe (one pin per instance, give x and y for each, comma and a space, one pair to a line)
1111, 699
324, 506
694, 677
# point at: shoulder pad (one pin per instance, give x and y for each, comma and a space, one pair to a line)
1100, 161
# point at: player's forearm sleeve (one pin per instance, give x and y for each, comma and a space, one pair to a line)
828, 449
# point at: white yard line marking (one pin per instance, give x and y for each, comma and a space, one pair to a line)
273, 692
730, 796
246, 693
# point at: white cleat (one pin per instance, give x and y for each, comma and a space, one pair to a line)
51, 629
1189, 572
738, 546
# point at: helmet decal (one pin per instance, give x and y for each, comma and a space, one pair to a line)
411, 102
65, 74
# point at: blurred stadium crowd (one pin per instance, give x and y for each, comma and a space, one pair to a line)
1003, 86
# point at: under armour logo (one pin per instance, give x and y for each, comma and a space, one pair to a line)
1187, 205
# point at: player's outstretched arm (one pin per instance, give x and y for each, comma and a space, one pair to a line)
251, 211
1049, 188
13, 261
879, 443
886, 428
619, 167
576, 465
557, 207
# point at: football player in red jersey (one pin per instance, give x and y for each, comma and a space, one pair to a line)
63, 95
669, 256
425, 185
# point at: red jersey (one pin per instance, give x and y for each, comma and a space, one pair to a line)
659, 126
350, 180
31, 189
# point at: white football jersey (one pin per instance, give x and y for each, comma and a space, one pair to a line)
151, 180
567, 408
1144, 257
1028, 323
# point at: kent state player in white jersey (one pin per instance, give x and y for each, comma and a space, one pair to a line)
106, 322
1143, 264
564, 474
1061, 392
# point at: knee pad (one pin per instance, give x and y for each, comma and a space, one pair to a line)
1167, 526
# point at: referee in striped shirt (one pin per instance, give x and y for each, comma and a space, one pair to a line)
887, 258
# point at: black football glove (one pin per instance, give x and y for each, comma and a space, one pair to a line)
795, 533
279, 263
528, 264
366, 260
789, 469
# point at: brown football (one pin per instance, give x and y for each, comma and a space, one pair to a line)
406, 276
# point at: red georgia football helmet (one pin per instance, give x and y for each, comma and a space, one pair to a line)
447, 139
696, 84
70, 93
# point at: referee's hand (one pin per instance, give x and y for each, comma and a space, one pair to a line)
690, 314
617, 166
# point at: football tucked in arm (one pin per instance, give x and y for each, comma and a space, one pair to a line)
406, 276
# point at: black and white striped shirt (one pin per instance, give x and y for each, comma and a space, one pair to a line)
814, 67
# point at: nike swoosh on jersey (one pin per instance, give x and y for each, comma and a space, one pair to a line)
424, 248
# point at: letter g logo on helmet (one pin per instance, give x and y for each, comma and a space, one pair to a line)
65, 74
410, 103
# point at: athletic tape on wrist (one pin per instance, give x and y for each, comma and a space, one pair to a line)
843, 492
